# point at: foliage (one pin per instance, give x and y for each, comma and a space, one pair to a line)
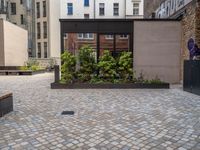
107, 66
107, 70
31, 65
87, 63
125, 66
68, 67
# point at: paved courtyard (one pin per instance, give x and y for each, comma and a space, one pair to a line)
103, 120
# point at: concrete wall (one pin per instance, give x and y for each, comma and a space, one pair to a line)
15, 44
157, 49
1, 44
54, 28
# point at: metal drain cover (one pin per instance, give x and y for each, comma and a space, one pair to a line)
67, 113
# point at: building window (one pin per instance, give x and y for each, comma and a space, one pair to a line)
44, 9
65, 36
21, 1
109, 37
123, 36
101, 9
39, 50
86, 3
45, 50
86, 16
69, 8
88, 36
22, 19
38, 9
13, 9
116, 9
45, 29
136, 8
38, 30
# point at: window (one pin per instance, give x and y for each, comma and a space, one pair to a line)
38, 9
116, 9
88, 36
45, 50
38, 31
21, 1
109, 37
39, 50
65, 36
70, 8
22, 19
101, 9
86, 3
13, 8
123, 36
44, 9
135, 8
45, 30
86, 16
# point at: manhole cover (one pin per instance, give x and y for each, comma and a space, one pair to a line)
67, 113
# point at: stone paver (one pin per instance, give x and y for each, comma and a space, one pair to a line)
103, 120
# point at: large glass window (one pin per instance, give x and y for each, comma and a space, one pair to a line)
70, 8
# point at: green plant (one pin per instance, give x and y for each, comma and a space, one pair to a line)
31, 63
107, 66
125, 66
156, 81
68, 67
87, 63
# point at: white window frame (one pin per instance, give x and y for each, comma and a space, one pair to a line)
85, 36
136, 8
109, 36
124, 36
115, 9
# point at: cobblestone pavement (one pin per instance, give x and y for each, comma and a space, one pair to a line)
103, 120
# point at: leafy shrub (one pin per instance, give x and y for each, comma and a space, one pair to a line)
107, 66
31, 63
87, 63
68, 67
125, 66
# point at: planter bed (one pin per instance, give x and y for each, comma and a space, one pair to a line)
110, 86
6, 103
21, 72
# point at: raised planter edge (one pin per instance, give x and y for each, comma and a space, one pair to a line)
110, 86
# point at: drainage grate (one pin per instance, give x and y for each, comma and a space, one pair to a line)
67, 113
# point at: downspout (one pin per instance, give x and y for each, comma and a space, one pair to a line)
125, 10
94, 9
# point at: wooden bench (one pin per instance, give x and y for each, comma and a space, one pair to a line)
6, 103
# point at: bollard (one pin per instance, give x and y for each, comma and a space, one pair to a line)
57, 73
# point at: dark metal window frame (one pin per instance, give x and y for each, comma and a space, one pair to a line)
99, 27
